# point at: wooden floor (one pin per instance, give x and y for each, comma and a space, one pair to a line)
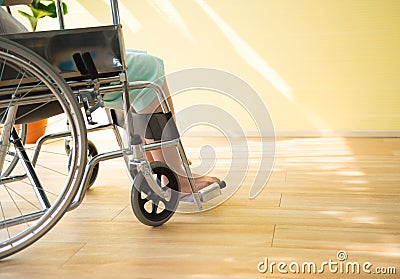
325, 195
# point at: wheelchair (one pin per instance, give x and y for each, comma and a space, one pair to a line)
62, 75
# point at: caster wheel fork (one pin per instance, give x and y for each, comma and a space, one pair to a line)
148, 207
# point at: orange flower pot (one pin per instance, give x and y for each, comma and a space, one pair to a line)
36, 130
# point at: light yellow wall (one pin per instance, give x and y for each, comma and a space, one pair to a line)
337, 62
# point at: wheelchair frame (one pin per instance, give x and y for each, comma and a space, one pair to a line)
88, 91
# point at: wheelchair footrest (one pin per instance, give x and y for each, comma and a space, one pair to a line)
211, 191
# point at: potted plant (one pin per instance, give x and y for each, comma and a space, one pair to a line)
40, 9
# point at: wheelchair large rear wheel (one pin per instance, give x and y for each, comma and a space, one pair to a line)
35, 194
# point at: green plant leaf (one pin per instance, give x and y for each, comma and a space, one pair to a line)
65, 8
52, 8
40, 12
24, 14
33, 20
35, 3
40, 9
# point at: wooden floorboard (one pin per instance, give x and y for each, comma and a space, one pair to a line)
324, 195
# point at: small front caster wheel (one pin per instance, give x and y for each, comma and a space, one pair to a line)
92, 151
149, 208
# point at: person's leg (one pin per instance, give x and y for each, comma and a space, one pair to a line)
170, 155
145, 67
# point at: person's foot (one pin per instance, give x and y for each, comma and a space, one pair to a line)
201, 183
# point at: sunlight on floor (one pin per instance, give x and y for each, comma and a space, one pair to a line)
344, 216
329, 161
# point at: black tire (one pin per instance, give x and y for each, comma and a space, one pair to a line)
92, 151
147, 206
